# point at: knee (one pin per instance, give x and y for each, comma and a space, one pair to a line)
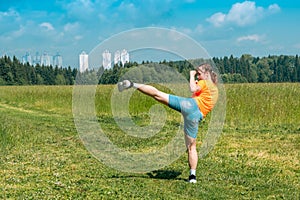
191, 148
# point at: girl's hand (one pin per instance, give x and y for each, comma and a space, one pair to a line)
193, 73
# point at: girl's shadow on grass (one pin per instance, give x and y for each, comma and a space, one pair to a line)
157, 174
165, 174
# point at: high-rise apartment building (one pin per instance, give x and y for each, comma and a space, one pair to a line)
106, 59
124, 57
83, 62
57, 60
45, 59
27, 59
37, 59
117, 57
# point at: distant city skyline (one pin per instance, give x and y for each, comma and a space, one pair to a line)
42, 59
119, 57
57, 59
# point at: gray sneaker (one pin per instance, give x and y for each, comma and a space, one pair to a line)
124, 85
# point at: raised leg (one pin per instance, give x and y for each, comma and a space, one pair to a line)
153, 92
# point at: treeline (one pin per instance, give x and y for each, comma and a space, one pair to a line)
12, 72
246, 69
250, 69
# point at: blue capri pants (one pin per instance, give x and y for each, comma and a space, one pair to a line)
190, 112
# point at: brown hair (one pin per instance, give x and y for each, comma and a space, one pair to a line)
208, 67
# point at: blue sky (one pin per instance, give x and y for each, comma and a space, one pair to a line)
223, 28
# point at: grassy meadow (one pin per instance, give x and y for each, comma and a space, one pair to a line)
256, 157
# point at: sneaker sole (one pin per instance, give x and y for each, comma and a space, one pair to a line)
120, 87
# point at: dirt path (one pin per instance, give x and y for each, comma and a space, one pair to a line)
31, 112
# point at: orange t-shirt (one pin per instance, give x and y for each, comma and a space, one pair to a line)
207, 97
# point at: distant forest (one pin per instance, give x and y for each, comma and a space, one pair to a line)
245, 69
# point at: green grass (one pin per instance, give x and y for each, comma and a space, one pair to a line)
42, 156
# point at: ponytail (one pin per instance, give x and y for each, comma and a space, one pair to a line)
214, 77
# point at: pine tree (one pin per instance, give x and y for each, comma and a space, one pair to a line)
297, 68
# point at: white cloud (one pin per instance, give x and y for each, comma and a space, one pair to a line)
71, 27
128, 10
242, 14
217, 19
13, 34
186, 31
78, 37
199, 29
10, 20
47, 26
10, 13
189, 31
80, 9
254, 38
274, 8
19, 32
